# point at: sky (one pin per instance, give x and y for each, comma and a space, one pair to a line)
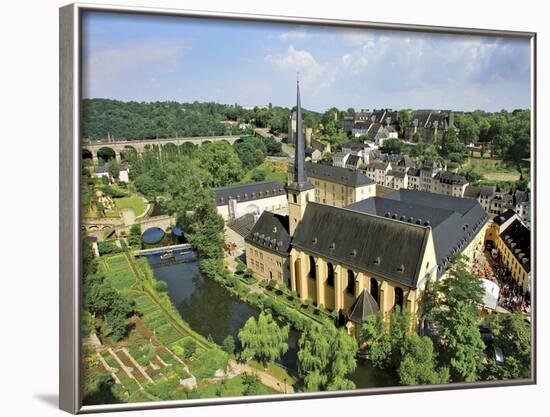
157, 58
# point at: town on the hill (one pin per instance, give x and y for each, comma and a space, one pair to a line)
234, 250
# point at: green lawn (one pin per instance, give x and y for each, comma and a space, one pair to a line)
495, 169
134, 202
274, 170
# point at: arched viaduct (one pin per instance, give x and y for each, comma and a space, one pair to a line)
102, 228
140, 146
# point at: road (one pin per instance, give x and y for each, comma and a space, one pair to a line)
286, 149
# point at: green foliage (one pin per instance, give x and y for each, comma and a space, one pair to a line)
134, 238
263, 339
468, 128
107, 247
251, 151
326, 356
222, 162
102, 300
404, 119
392, 146
209, 361
513, 335
451, 148
134, 120
252, 385
273, 146
464, 348
189, 347
161, 286
228, 345
113, 168
258, 175
418, 362
384, 343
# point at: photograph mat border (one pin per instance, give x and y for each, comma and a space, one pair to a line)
70, 69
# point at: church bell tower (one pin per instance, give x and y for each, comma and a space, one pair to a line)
299, 191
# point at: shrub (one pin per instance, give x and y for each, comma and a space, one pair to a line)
272, 284
189, 346
208, 362
161, 286
107, 247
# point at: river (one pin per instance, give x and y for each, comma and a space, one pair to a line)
212, 311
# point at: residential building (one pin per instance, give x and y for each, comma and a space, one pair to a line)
339, 159
426, 124
512, 239
338, 186
377, 171
449, 183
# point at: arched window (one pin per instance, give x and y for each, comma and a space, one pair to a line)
398, 296
374, 289
312, 267
351, 282
330, 275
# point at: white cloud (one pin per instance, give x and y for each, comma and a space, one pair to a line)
314, 76
108, 65
300, 33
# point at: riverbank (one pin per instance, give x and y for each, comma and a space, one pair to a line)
151, 363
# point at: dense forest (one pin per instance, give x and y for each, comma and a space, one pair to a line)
133, 120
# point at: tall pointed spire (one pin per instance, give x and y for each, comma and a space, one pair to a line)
300, 179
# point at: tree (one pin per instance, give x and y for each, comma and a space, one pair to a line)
189, 347
384, 343
251, 151
468, 129
134, 238
404, 119
325, 357
228, 345
463, 348
418, 361
258, 175
513, 336
113, 168
221, 161
273, 146
161, 286
392, 146
263, 339
252, 385
451, 148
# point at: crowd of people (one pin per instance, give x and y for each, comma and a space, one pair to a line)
512, 296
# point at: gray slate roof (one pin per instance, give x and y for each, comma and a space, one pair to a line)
454, 221
271, 233
364, 306
447, 177
243, 225
518, 239
337, 175
377, 245
248, 192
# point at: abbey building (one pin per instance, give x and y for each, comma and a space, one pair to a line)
356, 253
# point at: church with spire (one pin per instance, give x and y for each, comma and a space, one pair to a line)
364, 256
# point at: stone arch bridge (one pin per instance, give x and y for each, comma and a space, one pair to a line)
139, 146
102, 228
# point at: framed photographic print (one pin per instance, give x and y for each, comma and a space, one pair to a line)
261, 208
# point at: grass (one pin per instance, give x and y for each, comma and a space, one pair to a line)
134, 202
494, 169
274, 170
